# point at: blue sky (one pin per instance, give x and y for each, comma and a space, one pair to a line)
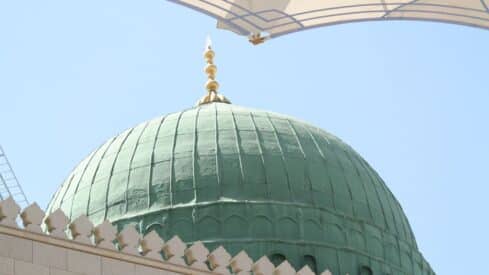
411, 97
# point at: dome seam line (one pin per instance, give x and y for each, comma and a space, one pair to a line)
106, 210
155, 141
172, 160
216, 143
81, 178
238, 147
282, 156
306, 164
126, 195
325, 164
94, 174
262, 157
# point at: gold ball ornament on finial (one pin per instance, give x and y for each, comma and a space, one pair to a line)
211, 84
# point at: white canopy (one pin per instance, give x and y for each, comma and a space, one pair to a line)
278, 17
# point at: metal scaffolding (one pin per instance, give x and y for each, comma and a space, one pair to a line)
9, 185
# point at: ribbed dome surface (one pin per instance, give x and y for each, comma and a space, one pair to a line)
247, 179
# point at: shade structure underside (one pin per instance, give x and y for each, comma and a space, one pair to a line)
276, 18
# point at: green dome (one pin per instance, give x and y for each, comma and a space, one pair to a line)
247, 179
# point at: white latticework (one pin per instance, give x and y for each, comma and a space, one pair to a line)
279, 17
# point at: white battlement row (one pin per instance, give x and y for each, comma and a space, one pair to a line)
129, 241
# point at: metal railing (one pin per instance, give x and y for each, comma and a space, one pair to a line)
9, 184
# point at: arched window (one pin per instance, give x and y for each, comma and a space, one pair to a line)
365, 270
277, 259
311, 262
158, 227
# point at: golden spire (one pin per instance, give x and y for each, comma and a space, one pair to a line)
211, 85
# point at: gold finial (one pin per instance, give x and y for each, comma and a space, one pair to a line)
211, 85
256, 39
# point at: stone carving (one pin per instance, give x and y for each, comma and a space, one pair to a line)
196, 255
263, 267
105, 234
241, 263
32, 217
306, 270
128, 240
81, 230
152, 245
175, 250
9, 210
56, 223
284, 269
219, 260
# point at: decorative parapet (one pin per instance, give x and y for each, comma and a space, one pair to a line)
172, 256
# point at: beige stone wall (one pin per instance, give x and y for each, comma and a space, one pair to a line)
25, 253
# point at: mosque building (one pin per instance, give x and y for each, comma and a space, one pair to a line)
246, 179
224, 189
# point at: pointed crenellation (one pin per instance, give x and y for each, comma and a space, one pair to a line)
306, 270
285, 268
241, 263
105, 234
81, 230
9, 211
196, 255
32, 217
128, 240
152, 245
219, 260
174, 250
56, 224
263, 266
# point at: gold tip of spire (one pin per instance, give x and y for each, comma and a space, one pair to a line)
212, 86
